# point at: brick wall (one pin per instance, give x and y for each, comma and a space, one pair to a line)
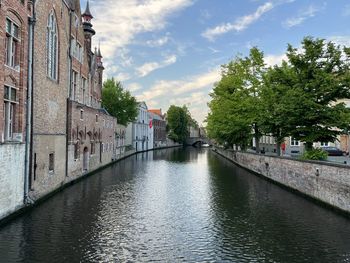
49, 100
88, 128
18, 13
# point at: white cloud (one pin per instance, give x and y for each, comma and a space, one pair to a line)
303, 15
147, 68
133, 87
272, 60
122, 76
122, 20
168, 89
340, 40
158, 42
240, 24
192, 91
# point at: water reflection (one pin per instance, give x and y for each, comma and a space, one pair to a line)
176, 205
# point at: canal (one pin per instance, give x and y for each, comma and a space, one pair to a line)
176, 205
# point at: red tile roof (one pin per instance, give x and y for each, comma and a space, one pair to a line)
156, 111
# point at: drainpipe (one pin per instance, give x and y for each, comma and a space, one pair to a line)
69, 85
29, 115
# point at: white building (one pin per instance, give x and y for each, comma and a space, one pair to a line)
137, 133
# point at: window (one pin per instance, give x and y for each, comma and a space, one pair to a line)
83, 90
51, 162
77, 50
77, 150
92, 148
96, 117
52, 47
324, 144
10, 101
294, 142
12, 46
81, 114
74, 85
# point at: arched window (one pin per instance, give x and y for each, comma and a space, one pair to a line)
52, 47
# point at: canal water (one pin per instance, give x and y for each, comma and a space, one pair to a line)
176, 205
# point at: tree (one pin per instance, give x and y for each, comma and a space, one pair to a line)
178, 120
316, 77
235, 107
119, 102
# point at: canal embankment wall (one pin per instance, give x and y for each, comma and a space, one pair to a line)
12, 203
325, 182
11, 178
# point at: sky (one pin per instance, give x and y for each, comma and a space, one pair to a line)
170, 51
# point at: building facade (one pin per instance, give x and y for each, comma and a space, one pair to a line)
120, 141
72, 134
15, 17
137, 131
50, 89
91, 130
159, 126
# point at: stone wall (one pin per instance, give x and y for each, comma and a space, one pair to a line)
11, 178
326, 182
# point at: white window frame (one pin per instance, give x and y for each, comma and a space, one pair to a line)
83, 89
52, 47
324, 144
75, 77
294, 142
12, 49
10, 112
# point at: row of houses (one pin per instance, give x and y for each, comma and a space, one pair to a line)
294, 147
53, 129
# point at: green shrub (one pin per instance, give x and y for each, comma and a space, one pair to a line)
315, 154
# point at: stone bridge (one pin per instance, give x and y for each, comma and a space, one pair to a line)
197, 141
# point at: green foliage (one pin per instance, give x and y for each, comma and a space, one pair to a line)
119, 102
235, 107
315, 154
178, 120
300, 98
314, 80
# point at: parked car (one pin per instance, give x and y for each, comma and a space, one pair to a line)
333, 151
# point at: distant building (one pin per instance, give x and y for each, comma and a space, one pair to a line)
137, 131
120, 141
159, 125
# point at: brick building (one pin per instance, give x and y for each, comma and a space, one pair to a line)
159, 125
91, 130
51, 82
71, 133
14, 24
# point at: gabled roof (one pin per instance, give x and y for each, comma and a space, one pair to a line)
143, 104
156, 111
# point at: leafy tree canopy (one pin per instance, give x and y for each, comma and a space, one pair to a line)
119, 102
235, 107
178, 119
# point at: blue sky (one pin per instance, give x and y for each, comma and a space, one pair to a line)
170, 51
